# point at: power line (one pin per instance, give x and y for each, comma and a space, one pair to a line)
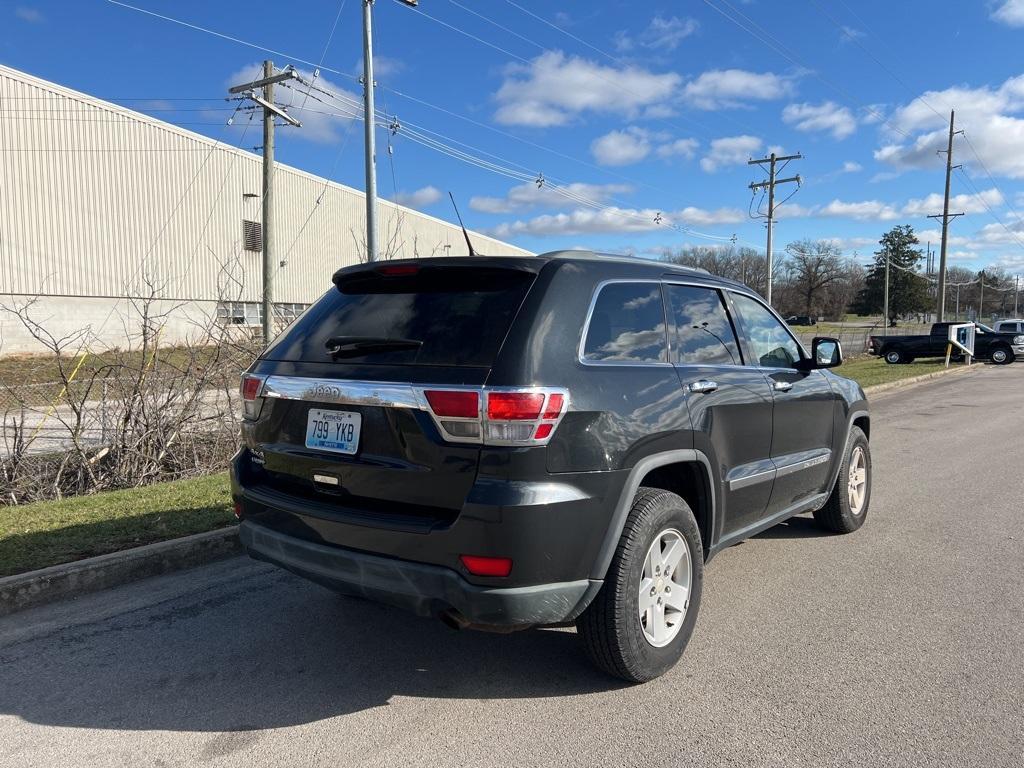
566, 32
877, 61
760, 34
238, 40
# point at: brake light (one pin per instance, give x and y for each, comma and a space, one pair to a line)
487, 566
252, 403
503, 406
521, 417
398, 270
457, 404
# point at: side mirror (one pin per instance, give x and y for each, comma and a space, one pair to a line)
826, 352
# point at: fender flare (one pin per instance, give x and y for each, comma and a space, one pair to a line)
625, 502
841, 454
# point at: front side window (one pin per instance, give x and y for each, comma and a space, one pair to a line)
627, 325
703, 333
769, 340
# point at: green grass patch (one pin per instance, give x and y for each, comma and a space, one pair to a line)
868, 370
51, 532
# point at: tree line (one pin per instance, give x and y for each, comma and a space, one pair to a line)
812, 277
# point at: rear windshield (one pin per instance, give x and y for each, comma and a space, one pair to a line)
452, 316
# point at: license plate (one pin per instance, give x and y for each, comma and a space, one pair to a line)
336, 431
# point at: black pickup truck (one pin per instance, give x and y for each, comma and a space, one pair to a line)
1000, 348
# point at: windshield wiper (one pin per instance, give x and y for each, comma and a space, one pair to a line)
353, 346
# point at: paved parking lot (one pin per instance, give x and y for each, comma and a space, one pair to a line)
902, 644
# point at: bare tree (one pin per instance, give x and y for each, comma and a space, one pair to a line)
812, 267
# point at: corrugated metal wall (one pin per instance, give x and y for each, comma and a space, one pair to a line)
97, 200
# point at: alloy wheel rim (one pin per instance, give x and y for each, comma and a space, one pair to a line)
858, 480
999, 356
665, 588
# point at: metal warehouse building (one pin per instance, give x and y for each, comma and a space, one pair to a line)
101, 205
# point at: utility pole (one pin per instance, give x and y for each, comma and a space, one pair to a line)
885, 300
369, 126
770, 184
946, 217
1016, 289
267, 225
981, 299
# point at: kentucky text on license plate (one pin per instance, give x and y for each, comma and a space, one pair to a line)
336, 431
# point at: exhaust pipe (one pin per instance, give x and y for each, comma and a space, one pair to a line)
455, 620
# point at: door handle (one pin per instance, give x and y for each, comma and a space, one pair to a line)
783, 386
703, 386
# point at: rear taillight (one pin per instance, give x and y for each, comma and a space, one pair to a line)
252, 401
497, 417
487, 566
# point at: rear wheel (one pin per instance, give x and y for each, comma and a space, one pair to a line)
643, 617
1002, 355
847, 507
895, 356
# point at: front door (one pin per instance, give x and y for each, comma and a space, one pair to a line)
730, 404
805, 406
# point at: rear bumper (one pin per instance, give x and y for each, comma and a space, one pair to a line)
428, 590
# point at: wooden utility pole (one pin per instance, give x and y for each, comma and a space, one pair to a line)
946, 217
266, 83
770, 184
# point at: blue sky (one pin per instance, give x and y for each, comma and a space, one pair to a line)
628, 110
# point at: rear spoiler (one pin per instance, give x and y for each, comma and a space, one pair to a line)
407, 268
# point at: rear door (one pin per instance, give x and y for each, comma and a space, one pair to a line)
343, 428
805, 406
730, 403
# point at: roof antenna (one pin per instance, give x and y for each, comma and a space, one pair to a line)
465, 234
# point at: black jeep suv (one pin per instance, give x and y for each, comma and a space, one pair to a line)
567, 438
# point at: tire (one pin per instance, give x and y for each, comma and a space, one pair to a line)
894, 356
1002, 355
615, 636
839, 514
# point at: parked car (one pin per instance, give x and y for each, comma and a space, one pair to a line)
1000, 348
801, 320
1010, 326
514, 442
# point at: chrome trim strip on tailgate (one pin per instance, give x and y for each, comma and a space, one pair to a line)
343, 392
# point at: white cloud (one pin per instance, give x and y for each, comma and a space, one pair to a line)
317, 124
872, 113
661, 33
957, 203
621, 147
31, 15
554, 88
827, 116
731, 150
730, 88
421, 198
524, 197
383, 66
988, 114
685, 148
584, 221
851, 167
1010, 13
863, 210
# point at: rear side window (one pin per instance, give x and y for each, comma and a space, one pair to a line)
627, 325
448, 316
703, 333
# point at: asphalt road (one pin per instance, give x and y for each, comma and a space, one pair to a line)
900, 645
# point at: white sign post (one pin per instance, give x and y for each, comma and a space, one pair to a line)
961, 335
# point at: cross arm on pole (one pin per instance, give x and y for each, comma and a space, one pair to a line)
288, 74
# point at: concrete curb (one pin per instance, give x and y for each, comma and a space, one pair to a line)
890, 385
47, 585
